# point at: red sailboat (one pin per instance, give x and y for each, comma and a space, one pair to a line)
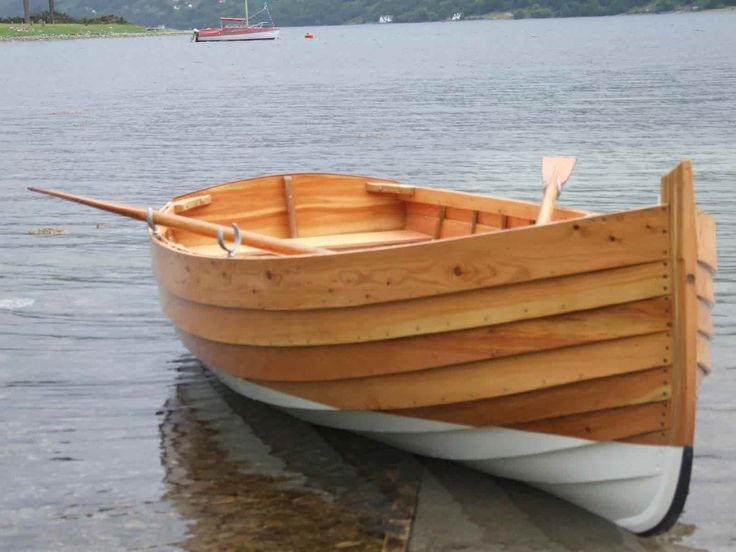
239, 28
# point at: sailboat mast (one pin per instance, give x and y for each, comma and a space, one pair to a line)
246, 13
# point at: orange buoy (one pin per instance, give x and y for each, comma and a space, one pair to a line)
309, 35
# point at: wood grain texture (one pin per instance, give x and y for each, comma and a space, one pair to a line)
606, 425
354, 360
490, 378
660, 437
341, 205
337, 242
188, 204
381, 321
324, 204
440, 267
255, 204
593, 326
388, 188
456, 221
553, 402
678, 192
491, 204
290, 207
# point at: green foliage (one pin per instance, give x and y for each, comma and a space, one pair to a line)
61, 17
21, 31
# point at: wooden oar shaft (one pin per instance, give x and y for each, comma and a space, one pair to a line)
549, 200
555, 173
196, 226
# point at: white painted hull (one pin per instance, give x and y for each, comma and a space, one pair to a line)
261, 35
637, 487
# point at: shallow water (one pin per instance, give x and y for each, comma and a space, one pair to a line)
113, 437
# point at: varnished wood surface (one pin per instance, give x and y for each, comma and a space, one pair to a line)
489, 378
484, 307
491, 204
341, 242
190, 203
290, 209
439, 267
595, 327
422, 352
452, 222
553, 402
606, 425
169, 221
386, 187
679, 194
323, 204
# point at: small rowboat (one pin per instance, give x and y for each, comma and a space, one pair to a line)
556, 346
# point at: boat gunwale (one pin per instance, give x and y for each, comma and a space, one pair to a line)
568, 213
179, 248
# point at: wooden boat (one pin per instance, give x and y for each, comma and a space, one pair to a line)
566, 354
239, 29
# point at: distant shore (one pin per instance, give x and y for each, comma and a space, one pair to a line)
13, 32
643, 10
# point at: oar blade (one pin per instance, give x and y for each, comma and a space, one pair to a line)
562, 166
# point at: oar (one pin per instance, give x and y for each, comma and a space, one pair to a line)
196, 226
556, 172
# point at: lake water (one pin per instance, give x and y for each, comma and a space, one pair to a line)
113, 438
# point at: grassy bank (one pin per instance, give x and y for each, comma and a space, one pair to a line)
20, 31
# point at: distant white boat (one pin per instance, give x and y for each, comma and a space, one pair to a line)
457, 16
386, 19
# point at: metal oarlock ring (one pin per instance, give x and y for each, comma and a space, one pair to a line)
151, 225
236, 243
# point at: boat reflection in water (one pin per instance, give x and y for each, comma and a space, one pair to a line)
253, 478
250, 477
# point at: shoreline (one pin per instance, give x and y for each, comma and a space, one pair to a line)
95, 35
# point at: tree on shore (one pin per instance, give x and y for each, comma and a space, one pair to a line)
51, 11
26, 12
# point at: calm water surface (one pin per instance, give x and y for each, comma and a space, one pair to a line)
113, 438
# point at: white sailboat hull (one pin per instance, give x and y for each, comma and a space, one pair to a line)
267, 34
